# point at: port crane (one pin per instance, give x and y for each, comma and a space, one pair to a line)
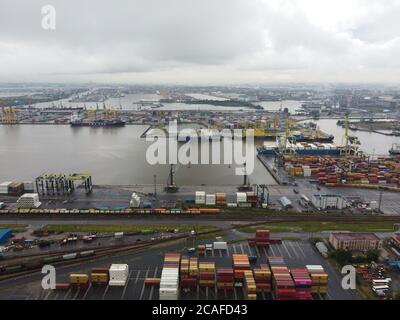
171, 187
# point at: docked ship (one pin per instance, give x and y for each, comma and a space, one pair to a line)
303, 148
77, 121
309, 137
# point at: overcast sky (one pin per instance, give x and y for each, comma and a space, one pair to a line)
202, 41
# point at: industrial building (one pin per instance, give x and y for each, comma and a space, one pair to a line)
328, 201
355, 241
286, 203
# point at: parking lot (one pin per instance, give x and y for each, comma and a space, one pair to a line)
296, 254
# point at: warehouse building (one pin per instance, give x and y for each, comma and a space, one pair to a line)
355, 241
328, 201
286, 203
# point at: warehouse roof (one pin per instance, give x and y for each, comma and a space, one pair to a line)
355, 236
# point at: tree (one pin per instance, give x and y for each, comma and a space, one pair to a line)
372, 255
342, 256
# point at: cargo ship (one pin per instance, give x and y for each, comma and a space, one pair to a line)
302, 148
309, 137
76, 121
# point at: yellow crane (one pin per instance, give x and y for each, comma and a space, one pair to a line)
9, 116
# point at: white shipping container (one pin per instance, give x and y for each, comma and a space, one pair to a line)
221, 245
200, 197
241, 197
210, 199
118, 235
118, 274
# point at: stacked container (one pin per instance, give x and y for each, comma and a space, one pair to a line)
79, 280
207, 274
4, 187
240, 263
302, 283
118, 274
210, 200
261, 239
241, 197
169, 283
99, 276
282, 282
16, 189
262, 277
220, 198
201, 249
225, 278
250, 289
251, 198
319, 278
200, 197
188, 272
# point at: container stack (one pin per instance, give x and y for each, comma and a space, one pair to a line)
262, 277
261, 239
201, 249
319, 278
200, 197
211, 199
206, 274
241, 197
118, 274
29, 201
282, 282
220, 199
240, 263
79, 281
16, 189
99, 276
4, 187
169, 283
188, 272
250, 289
225, 278
302, 283
252, 198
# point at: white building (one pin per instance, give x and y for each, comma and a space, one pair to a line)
328, 201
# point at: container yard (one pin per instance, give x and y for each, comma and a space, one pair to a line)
290, 270
346, 171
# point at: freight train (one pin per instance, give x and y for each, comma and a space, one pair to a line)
7, 269
112, 211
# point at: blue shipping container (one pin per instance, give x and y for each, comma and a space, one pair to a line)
5, 234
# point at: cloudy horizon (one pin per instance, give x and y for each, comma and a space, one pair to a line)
201, 42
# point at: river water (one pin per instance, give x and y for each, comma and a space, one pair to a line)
371, 143
111, 155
